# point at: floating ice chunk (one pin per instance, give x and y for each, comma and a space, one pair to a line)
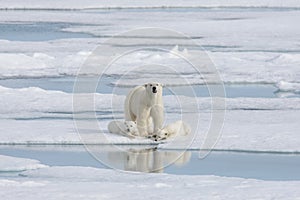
12, 164
284, 86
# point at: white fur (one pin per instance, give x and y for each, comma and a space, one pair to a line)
144, 105
126, 128
178, 128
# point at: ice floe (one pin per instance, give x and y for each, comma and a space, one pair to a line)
13, 164
92, 183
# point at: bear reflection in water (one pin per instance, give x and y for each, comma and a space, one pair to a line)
147, 160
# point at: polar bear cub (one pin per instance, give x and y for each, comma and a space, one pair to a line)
178, 128
144, 104
125, 128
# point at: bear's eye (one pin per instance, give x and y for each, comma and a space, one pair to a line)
130, 125
150, 85
156, 84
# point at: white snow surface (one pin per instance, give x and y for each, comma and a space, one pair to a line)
91, 183
13, 164
284, 86
88, 4
35, 102
36, 116
274, 131
255, 46
255, 42
275, 68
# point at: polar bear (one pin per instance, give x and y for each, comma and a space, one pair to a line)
144, 104
178, 128
125, 128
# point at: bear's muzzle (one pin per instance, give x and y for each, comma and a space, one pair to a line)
154, 90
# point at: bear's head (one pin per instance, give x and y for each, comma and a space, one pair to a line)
131, 127
161, 135
154, 88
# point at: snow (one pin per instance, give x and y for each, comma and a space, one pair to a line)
255, 42
284, 86
39, 65
94, 4
261, 67
34, 102
271, 28
266, 132
13, 164
37, 116
253, 46
56, 132
269, 54
91, 183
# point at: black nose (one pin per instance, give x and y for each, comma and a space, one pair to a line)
154, 90
128, 129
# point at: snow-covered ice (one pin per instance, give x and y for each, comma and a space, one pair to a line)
94, 4
270, 54
233, 67
34, 115
255, 46
288, 87
91, 183
34, 102
249, 42
12, 164
265, 134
